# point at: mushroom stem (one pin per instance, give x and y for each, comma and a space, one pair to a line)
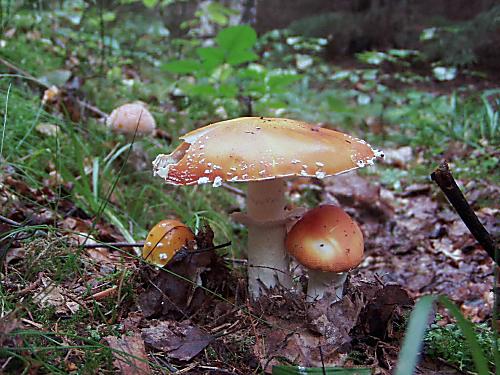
320, 282
267, 258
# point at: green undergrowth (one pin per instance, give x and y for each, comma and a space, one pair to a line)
449, 343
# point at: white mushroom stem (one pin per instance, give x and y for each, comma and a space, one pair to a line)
321, 282
266, 220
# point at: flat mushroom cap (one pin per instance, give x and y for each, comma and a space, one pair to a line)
259, 148
326, 239
126, 118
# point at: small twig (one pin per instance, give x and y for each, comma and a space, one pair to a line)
443, 177
103, 294
22, 72
322, 359
211, 248
8, 221
234, 190
112, 244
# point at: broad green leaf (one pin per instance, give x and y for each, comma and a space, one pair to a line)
237, 38
228, 90
108, 16
236, 57
182, 66
277, 82
218, 13
56, 77
201, 89
299, 370
211, 56
150, 3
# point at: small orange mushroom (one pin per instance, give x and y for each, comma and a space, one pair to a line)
329, 243
164, 240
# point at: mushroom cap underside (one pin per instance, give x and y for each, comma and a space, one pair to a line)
326, 239
258, 148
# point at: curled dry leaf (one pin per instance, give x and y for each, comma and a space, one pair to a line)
180, 341
54, 295
130, 354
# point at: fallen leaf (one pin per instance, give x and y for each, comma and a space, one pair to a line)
130, 354
352, 190
55, 295
180, 341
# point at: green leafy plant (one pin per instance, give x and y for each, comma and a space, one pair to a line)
449, 343
222, 72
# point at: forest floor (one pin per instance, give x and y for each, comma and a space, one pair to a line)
68, 184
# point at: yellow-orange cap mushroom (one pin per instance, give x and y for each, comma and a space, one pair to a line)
328, 243
129, 117
259, 148
326, 239
164, 240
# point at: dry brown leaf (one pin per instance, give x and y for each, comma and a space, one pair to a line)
180, 341
130, 354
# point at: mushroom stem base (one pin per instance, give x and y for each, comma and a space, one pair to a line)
267, 258
321, 282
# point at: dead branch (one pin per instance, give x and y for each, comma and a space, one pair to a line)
443, 178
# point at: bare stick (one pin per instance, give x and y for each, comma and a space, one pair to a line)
112, 244
442, 176
8, 221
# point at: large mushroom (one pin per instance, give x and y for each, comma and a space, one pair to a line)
262, 152
328, 243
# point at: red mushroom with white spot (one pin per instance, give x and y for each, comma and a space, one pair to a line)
263, 152
328, 243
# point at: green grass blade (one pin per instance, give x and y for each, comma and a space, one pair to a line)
5, 121
408, 356
95, 179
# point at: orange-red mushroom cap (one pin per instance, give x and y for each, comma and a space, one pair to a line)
164, 240
326, 239
259, 148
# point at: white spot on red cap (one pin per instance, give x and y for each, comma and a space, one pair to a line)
217, 181
203, 180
